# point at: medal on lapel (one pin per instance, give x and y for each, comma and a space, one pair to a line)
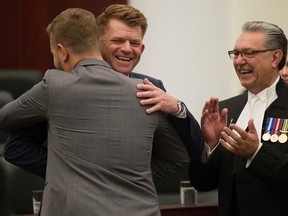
276, 129
274, 138
268, 127
283, 137
266, 136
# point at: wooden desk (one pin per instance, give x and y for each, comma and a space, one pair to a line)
184, 210
189, 210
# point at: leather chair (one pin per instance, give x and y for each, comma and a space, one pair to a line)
19, 81
5, 97
16, 185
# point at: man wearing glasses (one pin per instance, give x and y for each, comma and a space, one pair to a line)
247, 160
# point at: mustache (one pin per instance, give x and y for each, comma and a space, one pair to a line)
245, 68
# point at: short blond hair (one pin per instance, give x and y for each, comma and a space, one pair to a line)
75, 28
125, 13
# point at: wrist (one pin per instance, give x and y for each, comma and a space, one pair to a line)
180, 108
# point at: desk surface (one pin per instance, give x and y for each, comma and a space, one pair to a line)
183, 210
188, 210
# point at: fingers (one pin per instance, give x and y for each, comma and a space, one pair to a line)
206, 107
215, 105
229, 136
153, 102
234, 132
251, 127
228, 142
146, 81
152, 109
212, 105
227, 146
148, 90
149, 95
158, 99
224, 116
146, 86
204, 117
239, 141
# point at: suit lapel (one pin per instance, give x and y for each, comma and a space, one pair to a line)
278, 107
236, 105
275, 110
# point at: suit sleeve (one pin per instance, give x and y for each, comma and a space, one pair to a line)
188, 128
25, 148
169, 154
204, 176
26, 119
190, 133
27, 110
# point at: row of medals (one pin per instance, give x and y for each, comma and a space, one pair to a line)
282, 138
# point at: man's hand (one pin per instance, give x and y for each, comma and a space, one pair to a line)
240, 142
212, 122
160, 100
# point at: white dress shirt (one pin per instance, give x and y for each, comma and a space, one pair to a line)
253, 109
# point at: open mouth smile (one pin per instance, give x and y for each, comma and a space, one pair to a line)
124, 58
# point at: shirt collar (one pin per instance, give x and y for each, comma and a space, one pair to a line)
265, 93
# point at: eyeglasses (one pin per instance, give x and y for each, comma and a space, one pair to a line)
233, 54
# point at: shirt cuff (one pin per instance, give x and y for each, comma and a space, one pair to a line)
207, 152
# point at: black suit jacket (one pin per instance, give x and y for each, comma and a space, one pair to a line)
262, 188
24, 147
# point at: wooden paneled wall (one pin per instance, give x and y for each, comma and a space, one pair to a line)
24, 42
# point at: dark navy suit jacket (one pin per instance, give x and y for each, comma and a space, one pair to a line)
260, 189
25, 148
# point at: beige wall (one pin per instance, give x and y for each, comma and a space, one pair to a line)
187, 43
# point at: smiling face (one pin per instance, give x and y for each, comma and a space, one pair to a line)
260, 71
121, 46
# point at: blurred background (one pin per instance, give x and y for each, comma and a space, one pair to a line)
186, 47
186, 41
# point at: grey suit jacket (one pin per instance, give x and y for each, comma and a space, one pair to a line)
99, 141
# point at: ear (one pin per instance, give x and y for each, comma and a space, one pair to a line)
64, 54
277, 56
142, 48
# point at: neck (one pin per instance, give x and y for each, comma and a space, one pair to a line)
75, 59
269, 82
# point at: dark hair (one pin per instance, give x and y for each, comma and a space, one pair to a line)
275, 37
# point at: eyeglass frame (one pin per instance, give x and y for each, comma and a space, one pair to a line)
247, 53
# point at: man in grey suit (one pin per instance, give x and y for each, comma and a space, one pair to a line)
99, 136
122, 29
